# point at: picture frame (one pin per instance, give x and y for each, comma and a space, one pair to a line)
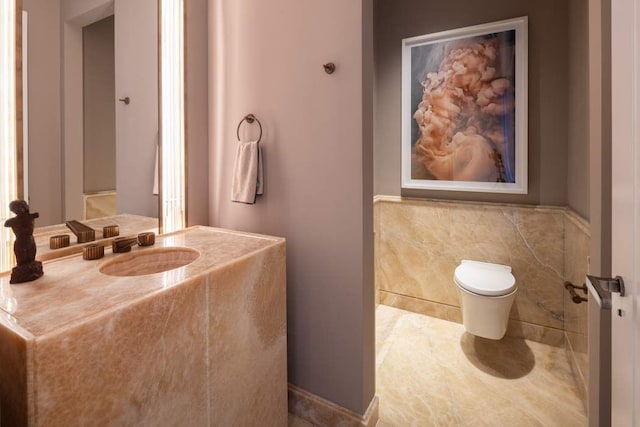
464, 109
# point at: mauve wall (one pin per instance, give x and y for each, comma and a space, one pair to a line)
45, 169
266, 58
557, 92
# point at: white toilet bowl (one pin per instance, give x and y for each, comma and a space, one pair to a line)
487, 292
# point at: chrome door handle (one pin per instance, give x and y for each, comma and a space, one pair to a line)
608, 284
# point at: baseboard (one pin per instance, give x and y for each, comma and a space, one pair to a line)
321, 412
578, 375
421, 306
517, 328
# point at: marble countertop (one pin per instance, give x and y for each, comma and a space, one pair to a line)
129, 225
73, 290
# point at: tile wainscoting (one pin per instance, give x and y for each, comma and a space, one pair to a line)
419, 243
576, 251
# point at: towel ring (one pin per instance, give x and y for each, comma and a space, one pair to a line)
249, 118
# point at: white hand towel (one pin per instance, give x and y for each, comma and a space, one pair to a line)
155, 190
260, 183
247, 173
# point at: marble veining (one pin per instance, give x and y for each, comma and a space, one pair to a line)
295, 421
430, 372
98, 205
577, 240
203, 344
419, 243
516, 328
72, 291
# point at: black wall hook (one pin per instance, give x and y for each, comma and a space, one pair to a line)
329, 68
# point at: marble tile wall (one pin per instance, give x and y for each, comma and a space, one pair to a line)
419, 243
575, 315
247, 328
98, 205
146, 365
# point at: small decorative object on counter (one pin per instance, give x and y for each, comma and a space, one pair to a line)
28, 269
110, 231
59, 241
147, 239
92, 251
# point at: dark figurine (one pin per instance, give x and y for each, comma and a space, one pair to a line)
28, 269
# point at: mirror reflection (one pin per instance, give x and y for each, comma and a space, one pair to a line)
90, 105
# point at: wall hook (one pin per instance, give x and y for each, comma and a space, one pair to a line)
126, 100
329, 68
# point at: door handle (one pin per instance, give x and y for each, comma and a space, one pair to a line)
609, 284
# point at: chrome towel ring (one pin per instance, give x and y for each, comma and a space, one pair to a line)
249, 118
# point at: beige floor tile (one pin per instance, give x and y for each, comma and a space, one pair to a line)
298, 422
432, 373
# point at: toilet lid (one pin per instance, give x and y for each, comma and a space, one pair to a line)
484, 278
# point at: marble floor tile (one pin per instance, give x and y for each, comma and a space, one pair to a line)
432, 373
298, 422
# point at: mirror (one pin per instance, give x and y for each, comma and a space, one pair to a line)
88, 153
173, 198
81, 133
9, 120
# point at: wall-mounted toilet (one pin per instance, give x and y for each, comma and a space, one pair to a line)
487, 292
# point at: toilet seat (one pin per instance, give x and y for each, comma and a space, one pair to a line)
484, 278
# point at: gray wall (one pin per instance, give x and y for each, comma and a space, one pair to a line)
45, 141
549, 91
578, 148
266, 58
99, 110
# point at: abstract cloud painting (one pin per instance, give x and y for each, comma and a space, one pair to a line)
464, 109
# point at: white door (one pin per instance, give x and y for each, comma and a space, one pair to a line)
136, 58
625, 324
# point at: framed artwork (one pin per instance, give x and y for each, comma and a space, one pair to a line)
464, 109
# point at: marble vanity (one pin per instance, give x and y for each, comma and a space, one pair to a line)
202, 344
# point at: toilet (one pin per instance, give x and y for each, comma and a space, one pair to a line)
487, 292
